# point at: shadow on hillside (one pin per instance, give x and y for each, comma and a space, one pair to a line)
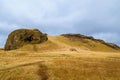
42, 72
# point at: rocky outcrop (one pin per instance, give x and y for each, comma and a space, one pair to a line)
20, 37
76, 37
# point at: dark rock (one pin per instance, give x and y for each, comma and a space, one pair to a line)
73, 49
77, 36
20, 37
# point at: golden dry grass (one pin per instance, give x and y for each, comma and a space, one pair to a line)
53, 60
86, 44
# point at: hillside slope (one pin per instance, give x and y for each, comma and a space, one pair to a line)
88, 42
59, 58
71, 42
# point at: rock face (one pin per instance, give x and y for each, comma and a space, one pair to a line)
20, 37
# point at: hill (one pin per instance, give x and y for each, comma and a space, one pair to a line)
62, 58
67, 43
22, 37
89, 43
64, 42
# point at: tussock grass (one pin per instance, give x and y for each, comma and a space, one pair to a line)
88, 69
59, 62
22, 73
42, 47
86, 44
71, 66
42, 72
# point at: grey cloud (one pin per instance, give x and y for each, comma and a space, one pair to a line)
111, 37
89, 17
2, 40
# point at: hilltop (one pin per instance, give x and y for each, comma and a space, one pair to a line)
75, 42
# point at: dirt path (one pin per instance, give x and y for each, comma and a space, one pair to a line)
21, 65
61, 44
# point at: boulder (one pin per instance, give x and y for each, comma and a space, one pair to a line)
20, 37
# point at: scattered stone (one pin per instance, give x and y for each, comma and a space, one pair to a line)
73, 49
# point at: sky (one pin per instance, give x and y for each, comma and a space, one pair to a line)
97, 18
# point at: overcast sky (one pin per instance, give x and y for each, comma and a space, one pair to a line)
98, 18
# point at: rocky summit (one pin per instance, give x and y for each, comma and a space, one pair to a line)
20, 37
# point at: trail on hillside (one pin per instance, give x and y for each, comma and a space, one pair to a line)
64, 46
21, 65
42, 72
53, 39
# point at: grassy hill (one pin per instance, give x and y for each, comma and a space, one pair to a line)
61, 42
61, 58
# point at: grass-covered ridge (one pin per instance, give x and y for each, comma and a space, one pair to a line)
88, 43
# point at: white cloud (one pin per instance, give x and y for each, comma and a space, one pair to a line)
109, 37
2, 40
60, 12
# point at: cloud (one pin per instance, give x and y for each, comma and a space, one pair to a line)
2, 40
111, 37
89, 17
